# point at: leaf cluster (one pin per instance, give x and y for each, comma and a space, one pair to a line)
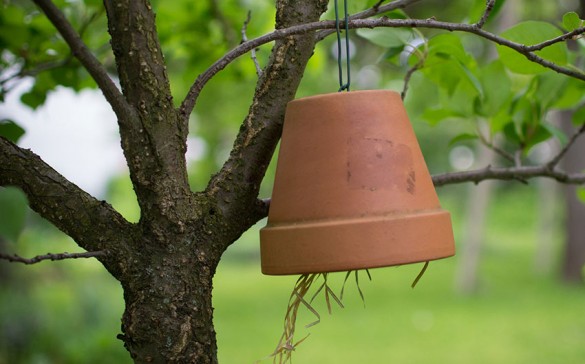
509, 93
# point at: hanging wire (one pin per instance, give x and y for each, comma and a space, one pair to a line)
342, 86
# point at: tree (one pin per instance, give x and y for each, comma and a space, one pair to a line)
166, 262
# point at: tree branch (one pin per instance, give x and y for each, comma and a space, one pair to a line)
155, 141
553, 163
377, 9
22, 72
521, 174
191, 98
87, 59
560, 38
51, 256
235, 188
488, 9
528, 51
93, 224
408, 76
502, 153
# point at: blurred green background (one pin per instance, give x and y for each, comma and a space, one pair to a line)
514, 308
69, 312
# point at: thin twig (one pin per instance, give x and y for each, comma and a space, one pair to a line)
374, 10
506, 174
527, 51
553, 162
520, 174
87, 59
49, 65
377, 5
509, 157
518, 159
51, 256
245, 39
560, 38
489, 6
190, 99
408, 75
41, 67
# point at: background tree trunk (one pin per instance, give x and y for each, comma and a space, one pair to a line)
574, 252
469, 254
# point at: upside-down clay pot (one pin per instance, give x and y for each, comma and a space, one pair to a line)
352, 190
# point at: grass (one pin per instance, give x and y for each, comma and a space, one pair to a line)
69, 312
515, 317
522, 320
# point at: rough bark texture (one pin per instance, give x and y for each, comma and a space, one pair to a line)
168, 281
167, 260
236, 186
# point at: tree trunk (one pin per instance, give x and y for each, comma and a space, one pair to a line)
167, 260
467, 276
548, 197
574, 252
169, 315
167, 275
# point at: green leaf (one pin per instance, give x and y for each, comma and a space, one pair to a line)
478, 9
572, 94
524, 112
391, 53
496, 87
37, 96
389, 38
534, 135
33, 98
531, 33
13, 209
435, 116
397, 14
65, 76
511, 133
549, 88
461, 101
571, 21
579, 117
449, 65
463, 137
10, 130
448, 46
500, 119
472, 80
556, 132
581, 196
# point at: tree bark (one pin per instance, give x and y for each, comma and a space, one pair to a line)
167, 260
168, 276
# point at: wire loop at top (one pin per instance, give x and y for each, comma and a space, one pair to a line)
342, 86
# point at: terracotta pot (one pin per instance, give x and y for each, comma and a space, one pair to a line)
352, 189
